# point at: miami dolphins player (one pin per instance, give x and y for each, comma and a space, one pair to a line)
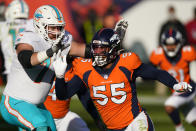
16, 15
31, 72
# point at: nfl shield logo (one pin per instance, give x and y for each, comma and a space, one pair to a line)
105, 76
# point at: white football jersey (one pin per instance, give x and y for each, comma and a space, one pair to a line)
32, 85
8, 33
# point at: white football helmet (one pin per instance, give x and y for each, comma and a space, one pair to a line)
17, 9
48, 15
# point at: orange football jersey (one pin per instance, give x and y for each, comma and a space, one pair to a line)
113, 93
58, 108
180, 70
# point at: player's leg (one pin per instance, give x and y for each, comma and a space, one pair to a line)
71, 122
189, 111
172, 105
48, 116
141, 123
22, 114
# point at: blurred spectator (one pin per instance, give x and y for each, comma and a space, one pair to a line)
109, 19
191, 29
94, 22
90, 26
173, 22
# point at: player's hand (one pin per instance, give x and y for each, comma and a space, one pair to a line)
66, 45
182, 87
56, 46
57, 43
58, 40
121, 27
59, 64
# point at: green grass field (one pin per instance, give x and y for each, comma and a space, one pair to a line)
155, 109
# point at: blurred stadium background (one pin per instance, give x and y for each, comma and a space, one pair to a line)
145, 18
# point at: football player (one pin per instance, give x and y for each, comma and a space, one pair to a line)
63, 117
16, 15
110, 78
175, 58
31, 71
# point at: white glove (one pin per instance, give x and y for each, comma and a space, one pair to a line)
59, 64
121, 27
121, 24
66, 44
182, 87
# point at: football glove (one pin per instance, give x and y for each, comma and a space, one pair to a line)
121, 27
59, 64
182, 87
58, 40
57, 45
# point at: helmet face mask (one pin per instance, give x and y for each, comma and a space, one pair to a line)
47, 17
104, 47
171, 41
17, 9
53, 31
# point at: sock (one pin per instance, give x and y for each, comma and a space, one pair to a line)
175, 116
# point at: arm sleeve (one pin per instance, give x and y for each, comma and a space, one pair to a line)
149, 72
65, 90
84, 96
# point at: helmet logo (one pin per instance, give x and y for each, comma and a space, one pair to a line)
38, 15
114, 38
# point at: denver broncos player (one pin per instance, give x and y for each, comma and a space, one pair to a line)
32, 73
63, 117
175, 58
66, 120
110, 77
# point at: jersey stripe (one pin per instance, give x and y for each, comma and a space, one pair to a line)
134, 101
85, 76
17, 114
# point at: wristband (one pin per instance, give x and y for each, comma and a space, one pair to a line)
42, 56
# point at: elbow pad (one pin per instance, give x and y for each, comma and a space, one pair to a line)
24, 58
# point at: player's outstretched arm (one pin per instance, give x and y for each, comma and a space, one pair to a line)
149, 72
29, 58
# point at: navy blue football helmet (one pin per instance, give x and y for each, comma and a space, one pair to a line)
171, 36
105, 47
